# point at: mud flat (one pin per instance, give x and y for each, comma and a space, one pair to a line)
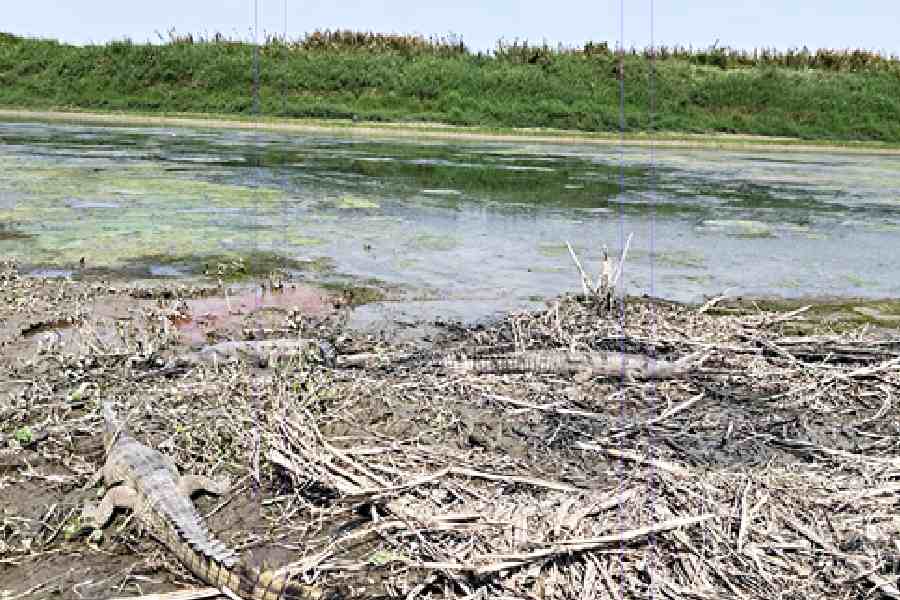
407, 468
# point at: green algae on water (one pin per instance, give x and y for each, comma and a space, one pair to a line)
434, 242
351, 201
745, 228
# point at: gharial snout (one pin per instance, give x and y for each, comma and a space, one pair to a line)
112, 426
109, 413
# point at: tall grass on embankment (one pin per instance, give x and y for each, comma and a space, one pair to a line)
836, 95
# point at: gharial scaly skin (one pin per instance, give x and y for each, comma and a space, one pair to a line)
582, 364
146, 481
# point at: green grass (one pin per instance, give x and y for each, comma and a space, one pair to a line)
530, 87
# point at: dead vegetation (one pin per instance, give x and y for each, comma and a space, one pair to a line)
771, 469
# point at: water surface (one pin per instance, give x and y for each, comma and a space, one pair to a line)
466, 228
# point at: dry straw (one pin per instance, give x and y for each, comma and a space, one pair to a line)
768, 470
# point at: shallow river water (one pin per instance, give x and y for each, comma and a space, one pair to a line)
464, 228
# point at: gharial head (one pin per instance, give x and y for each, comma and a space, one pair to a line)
113, 427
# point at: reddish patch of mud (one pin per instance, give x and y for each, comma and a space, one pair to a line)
221, 314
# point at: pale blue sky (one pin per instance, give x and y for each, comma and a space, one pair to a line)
871, 24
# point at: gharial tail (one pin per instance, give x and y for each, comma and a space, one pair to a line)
211, 561
255, 584
249, 583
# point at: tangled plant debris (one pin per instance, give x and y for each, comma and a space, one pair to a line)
769, 468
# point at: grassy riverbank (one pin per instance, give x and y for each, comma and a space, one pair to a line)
809, 96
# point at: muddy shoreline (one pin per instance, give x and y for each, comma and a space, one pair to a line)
448, 132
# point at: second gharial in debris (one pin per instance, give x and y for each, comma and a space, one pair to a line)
583, 365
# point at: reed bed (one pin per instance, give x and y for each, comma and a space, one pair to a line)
523, 51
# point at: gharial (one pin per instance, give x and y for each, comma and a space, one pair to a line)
146, 481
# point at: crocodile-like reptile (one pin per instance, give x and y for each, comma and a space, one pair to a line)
583, 365
144, 480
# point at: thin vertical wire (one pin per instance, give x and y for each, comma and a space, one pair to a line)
255, 236
621, 78
652, 128
255, 109
652, 246
284, 200
256, 113
287, 56
619, 275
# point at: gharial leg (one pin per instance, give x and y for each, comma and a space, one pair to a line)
192, 484
97, 516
